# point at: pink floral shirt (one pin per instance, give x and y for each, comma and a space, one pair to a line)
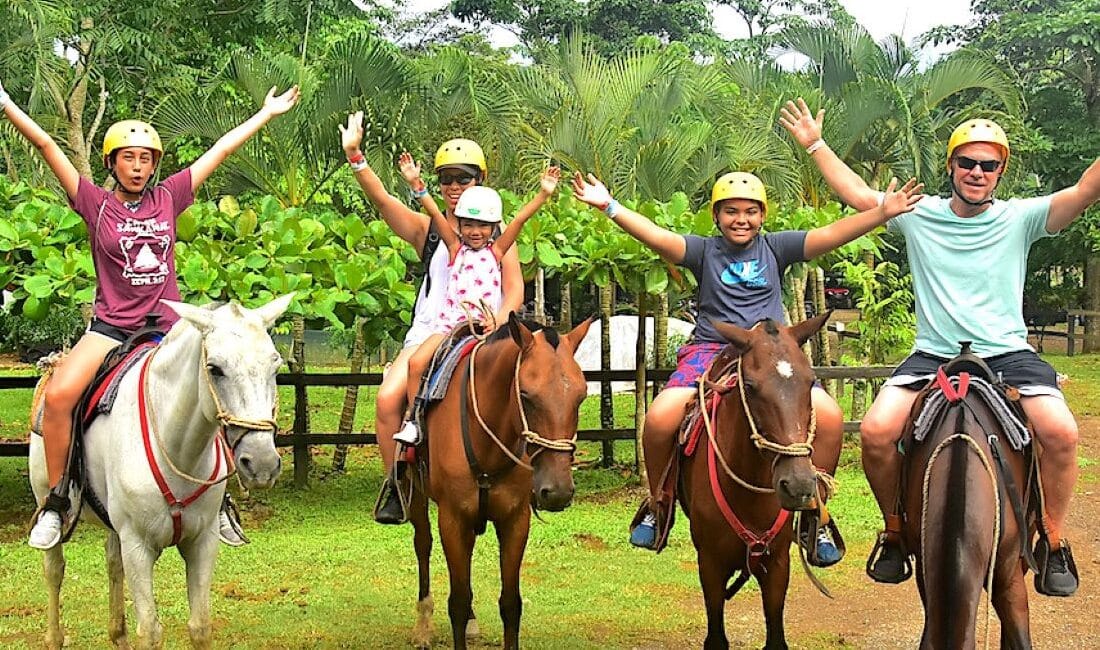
474, 277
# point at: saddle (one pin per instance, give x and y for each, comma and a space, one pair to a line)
963, 375
98, 398
437, 376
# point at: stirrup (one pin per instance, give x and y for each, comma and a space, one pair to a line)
888, 542
1048, 583
809, 526
392, 504
234, 536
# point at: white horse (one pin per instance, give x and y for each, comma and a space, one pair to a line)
214, 370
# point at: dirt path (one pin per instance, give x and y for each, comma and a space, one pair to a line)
868, 615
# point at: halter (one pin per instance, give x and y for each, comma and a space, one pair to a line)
147, 416
529, 436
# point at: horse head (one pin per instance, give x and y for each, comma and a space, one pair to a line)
238, 363
774, 384
549, 387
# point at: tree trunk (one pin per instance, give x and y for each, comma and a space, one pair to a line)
607, 406
660, 332
75, 103
301, 401
1092, 301
565, 301
639, 390
540, 296
351, 399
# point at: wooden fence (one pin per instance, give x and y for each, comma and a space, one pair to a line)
838, 379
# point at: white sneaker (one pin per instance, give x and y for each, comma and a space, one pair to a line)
409, 434
46, 532
229, 534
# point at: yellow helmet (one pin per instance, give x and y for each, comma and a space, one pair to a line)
131, 133
739, 185
461, 152
978, 131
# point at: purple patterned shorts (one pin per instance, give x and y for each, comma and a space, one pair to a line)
692, 360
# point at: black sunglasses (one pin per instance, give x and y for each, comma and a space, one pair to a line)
988, 166
461, 179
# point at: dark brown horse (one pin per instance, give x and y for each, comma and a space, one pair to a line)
750, 468
965, 508
499, 443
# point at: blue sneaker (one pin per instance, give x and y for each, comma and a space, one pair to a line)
644, 534
827, 552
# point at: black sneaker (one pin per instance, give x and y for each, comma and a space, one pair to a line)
891, 565
1057, 571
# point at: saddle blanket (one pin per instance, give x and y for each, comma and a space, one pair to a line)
1017, 434
441, 379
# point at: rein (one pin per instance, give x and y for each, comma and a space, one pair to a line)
484, 479
147, 416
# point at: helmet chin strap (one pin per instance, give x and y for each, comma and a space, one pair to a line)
122, 188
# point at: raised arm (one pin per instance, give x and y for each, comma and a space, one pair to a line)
826, 238
1068, 204
669, 245
410, 171
273, 106
806, 130
406, 223
511, 280
59, 163
547, 184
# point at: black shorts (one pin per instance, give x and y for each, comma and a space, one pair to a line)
1021, 368
110, 331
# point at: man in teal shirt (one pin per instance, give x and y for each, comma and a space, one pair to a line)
968, 255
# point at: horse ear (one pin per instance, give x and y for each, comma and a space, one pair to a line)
201, 318
804, 330
577, 334
520, 334
740, 337
271, 312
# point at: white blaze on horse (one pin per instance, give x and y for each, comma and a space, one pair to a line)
213, 375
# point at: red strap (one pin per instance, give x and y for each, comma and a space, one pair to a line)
758, 545
105, 382
175, 505
943, 382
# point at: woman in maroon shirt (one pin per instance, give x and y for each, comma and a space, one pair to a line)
132, 230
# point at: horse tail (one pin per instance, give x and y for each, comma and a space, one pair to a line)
958, 533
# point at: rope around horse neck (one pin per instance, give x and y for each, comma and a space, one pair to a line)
996, 517
528, 435
160, 443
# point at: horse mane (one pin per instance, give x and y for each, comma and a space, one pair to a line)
552, 336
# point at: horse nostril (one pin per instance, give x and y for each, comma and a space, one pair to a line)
246, 463
544, 494
785, 485
278, 464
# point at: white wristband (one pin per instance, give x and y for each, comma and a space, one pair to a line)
815, 145
4, 99
357, 167
610, 208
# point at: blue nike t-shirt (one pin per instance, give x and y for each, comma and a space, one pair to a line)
740, 285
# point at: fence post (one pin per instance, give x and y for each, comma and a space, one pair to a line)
301, 403
639, 388
1071, 324
607, 406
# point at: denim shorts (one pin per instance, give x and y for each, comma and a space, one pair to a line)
1022, 368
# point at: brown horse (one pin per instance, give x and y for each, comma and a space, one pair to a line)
761, 437
500, 443
965, 510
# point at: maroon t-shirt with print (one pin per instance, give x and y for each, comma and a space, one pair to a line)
134, 250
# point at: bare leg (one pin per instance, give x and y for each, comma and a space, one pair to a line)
830, 431
662, 422
200, 555
116, 621
879, 434
1057, 432
390, 404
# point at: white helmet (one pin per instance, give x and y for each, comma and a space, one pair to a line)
480, 204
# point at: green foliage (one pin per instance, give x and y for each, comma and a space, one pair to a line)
884, 298
58, 327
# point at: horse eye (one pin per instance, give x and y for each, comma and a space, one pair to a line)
214, 370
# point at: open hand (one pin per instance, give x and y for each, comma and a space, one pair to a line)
281, 104
801, 123
903, 200
351, 136
409, 168
592, 192
549, 181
